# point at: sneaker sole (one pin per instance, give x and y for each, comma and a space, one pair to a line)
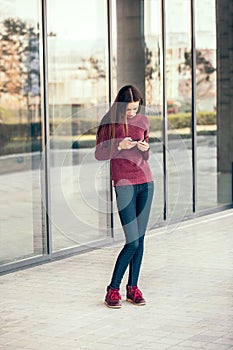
137, 304
112, 307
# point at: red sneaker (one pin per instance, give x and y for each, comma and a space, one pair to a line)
113, 298
134, 295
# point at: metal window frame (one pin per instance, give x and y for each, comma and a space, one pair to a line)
193, 112
45, 123
110, 98
165, 135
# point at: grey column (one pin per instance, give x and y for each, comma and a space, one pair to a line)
130, 44
225, 98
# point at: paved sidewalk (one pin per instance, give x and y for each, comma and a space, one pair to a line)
186, 277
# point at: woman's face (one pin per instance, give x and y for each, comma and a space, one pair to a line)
131, 109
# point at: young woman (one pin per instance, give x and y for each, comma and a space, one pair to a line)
122, 137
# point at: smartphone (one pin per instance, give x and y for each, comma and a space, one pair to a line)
135, 140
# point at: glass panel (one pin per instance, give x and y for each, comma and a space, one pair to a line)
206, 104
178, 42
137, 50
21, 233
154, 100
78, 92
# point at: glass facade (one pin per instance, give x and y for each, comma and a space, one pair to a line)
179, 102
22, 233
61, 66
206, 105
77, 97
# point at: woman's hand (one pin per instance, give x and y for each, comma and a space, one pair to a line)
143, 146
127, 143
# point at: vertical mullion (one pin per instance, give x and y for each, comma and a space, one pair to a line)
110, 88
165, 137
110, 51
194, 117
45, 116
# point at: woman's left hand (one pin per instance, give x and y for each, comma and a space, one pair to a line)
143, 146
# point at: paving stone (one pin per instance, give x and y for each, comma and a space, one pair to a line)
186, 278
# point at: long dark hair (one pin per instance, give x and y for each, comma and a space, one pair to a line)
126, 94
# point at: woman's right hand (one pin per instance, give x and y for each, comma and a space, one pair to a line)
127, 143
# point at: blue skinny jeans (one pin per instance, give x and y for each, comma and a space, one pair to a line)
134, 204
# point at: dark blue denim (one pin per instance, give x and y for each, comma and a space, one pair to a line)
134, 204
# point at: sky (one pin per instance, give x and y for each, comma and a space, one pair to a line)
86, 19
67, 18
178, 20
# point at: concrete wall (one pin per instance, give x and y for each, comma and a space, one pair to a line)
130, 44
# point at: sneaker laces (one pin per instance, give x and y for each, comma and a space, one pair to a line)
114, 294
137, 293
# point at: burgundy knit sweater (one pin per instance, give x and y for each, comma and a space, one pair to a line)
128, 167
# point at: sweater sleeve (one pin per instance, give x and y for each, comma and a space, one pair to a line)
146, 154
105, 148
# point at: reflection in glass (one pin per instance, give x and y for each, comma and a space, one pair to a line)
138, 57
178, 71
153, 101
206, 104
78, 92
20, 132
